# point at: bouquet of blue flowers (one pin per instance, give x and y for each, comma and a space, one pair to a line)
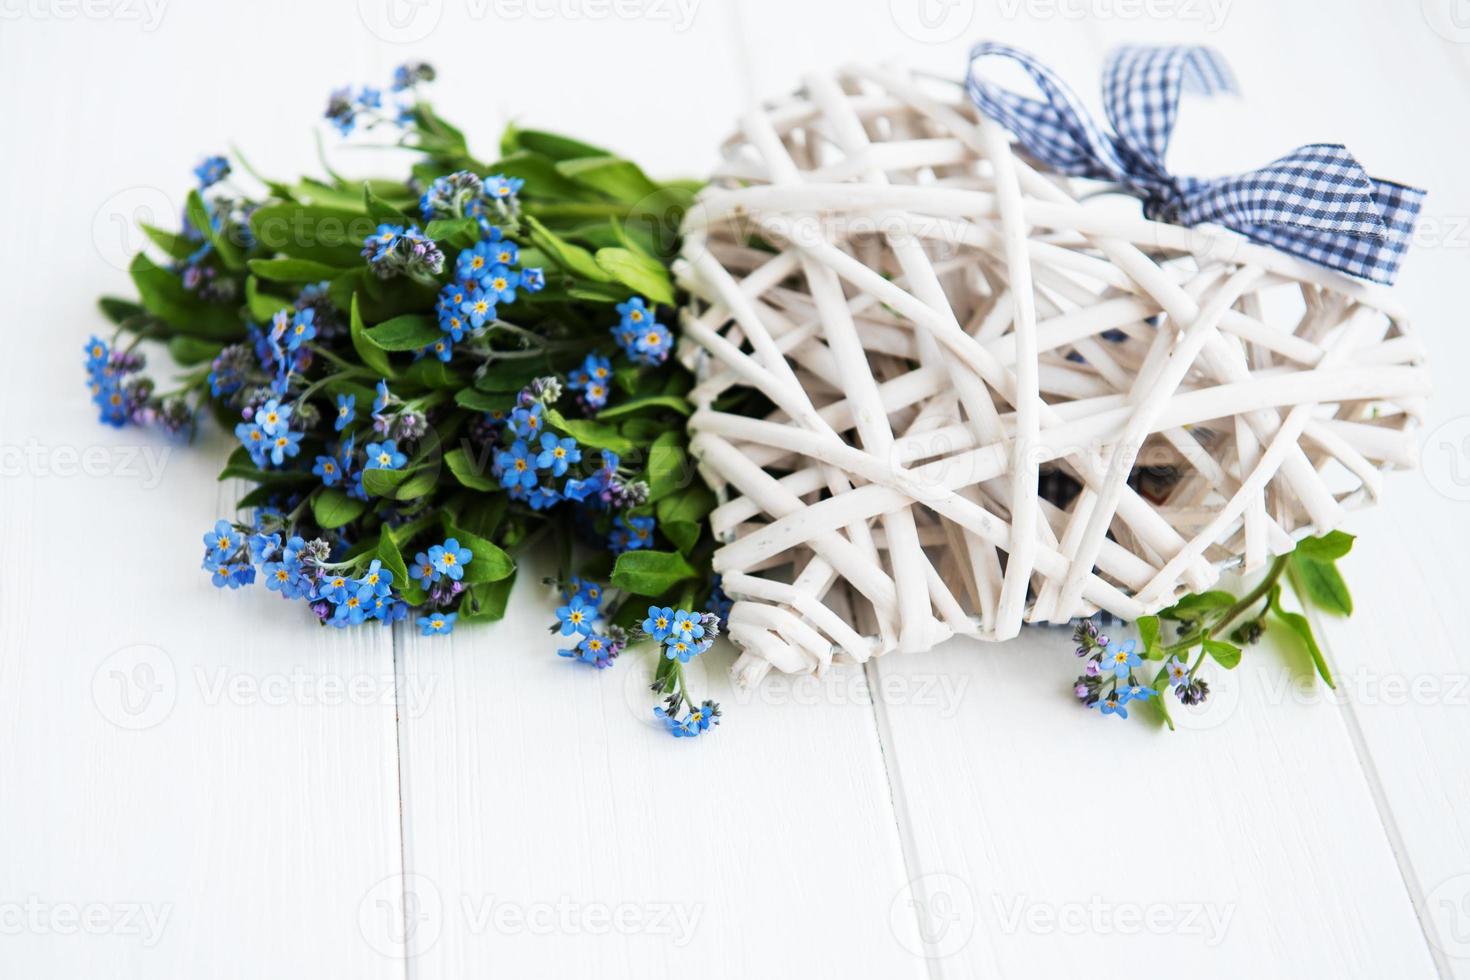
430, 375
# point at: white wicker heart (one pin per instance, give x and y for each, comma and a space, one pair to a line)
994, 395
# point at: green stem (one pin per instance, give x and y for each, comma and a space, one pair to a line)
1278, 566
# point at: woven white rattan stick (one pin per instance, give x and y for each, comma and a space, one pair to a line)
974, 394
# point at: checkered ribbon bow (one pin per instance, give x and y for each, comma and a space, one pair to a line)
1316, 202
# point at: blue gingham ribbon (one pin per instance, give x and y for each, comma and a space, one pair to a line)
1316, 202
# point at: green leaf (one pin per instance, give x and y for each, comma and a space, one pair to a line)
1323, 585
484, 401
384, 483
468, 472
292, 270
187, 350
228, 251
117, 310
1148, 635
511, 375
1191, 606
333, 508
430, 372
165, 297
175, 246
391, 557
543, 181
691, 504
1300, 625
460, 232
617, 178
574, 258
330, 235
488, 562
643, 275
684, 534
382, 212
589, 433
263, 306
652, 403
371, 354
404, 333
486, 602
553, 145
1160, 685
1329, 547
669, 468
1227, 655
650, 573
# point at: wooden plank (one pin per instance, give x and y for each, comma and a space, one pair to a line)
1247, 843
1378, 81
542, 808
198, 784
1041, 842
551, 829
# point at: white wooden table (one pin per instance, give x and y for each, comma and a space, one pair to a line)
194, 785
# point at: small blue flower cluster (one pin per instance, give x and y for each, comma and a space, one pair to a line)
697, 721
530, 462
591, 381
684, 635
463, 194
485, 279
123, 396
580, 617
346, 109
198, 271
107, 377
211, 171
1108, 663
642, 338
266, 434
393, 250
343, 593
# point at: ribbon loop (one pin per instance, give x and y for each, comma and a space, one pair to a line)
1316, 202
